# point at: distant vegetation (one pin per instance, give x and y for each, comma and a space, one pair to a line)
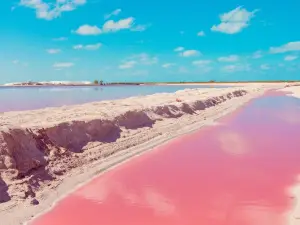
100, 82
124, 83
214, 81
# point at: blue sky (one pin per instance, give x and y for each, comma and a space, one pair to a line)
133, 40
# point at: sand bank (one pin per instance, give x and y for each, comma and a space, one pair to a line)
41, 148
293, 90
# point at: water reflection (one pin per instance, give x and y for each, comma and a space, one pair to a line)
100, 191
27, 98
243, 172
228, 139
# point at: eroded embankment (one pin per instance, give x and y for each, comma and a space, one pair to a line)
37, 147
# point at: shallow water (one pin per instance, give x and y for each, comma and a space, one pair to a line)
27, 98
237, 173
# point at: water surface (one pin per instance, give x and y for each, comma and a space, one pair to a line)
27, 98
237, 173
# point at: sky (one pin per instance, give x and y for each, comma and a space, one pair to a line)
133, 40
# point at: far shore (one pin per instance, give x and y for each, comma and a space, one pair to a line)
67, 85
82, 84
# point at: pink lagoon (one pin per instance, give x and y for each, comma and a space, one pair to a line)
239, 172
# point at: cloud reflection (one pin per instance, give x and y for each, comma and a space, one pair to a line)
100, 190
233, 143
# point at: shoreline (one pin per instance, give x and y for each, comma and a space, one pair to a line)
158, 84
136, 140
69, 85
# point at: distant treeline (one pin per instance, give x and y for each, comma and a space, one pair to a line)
101, 82
123, 83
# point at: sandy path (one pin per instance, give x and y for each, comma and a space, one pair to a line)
41, 148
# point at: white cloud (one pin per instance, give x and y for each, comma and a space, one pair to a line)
236, 68
203, 65
265, 67
257, 54
113, 13
128, 64
201, 33
138, 59
53, 51
63, 65
112, 26
289, 47
230, 68
168, 65
88, 47
234, 21
290, 57
230, 58
88, 30
15, 61
179, 49
201, 62
144, 59
49, 11
147, 60
60, 39
190, 53
139, 28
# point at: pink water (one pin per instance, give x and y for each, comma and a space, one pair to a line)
236, 173
28, 98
